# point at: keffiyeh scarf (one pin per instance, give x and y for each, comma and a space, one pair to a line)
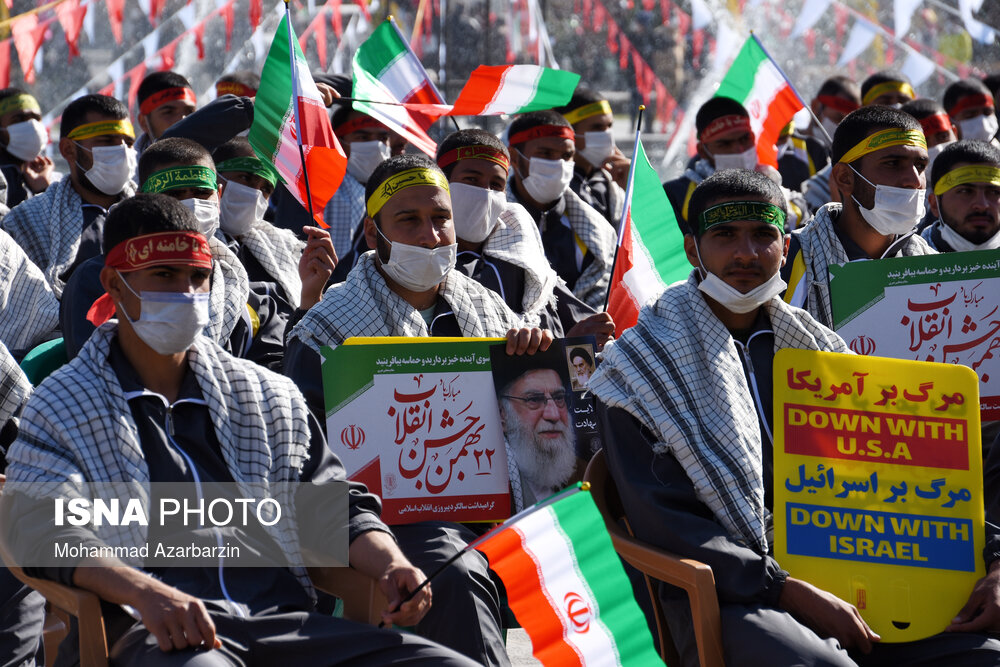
278, 251
28, 309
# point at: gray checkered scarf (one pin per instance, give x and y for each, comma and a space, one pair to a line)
28, 309
78, 428
278, 251
678, 372
343, 212
363, 305
821, 248
48, 228
519, 243
227, 302
600, 239
14, 386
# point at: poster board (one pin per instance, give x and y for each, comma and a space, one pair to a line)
416, 420
878, 493
943, 308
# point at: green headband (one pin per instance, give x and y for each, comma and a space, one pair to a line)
732, 211
173, 178
250, 165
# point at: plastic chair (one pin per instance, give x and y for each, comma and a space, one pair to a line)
694, 577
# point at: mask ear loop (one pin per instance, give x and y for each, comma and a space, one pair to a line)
122, 306
701, 263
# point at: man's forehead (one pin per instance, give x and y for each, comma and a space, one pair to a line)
548, 143
539, 379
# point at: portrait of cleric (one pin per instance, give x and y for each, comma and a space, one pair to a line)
581, 365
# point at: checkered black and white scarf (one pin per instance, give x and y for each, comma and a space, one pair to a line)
343, 212
78, 428
678, 372
28, 309
363, 305
600, 239
14, 386
278, 251
227, 302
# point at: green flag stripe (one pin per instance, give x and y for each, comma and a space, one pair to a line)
554, 89
738, 82
653, 217
273, 104
598, 565
380, 50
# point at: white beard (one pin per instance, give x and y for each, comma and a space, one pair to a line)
545, 466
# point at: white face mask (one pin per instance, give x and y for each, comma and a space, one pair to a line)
961, 244
240, 208
980, 128
169, 322
745, 160
365, 156
895, 210
25, 140
475, 211
112, 169
600, 146
933, 152
206, 212
415, 268
547, 180
731, 298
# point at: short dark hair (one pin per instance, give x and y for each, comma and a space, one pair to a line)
885, 76
394, 165
580, 352
536, 119
157, 81
235, 147
470, 137
921, 108
732, 183
717, 107
146, 214
842, 86
174, 150
865, 121
582, 96
967, 150
243, 77
963, 88
77, 110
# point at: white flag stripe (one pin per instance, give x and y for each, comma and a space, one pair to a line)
767, 83
561, 582
404, 75
642, 281
517, 88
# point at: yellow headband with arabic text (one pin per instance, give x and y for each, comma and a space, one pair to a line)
972, 173
90, 130
19, 102
586, 111
894, 136
401, 181
889, 87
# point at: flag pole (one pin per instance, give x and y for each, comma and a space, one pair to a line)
628, 202
295, 110
579, 486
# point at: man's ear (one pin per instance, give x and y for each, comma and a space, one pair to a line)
842, 176
703, 152
932, 200
784, 250
67, 148
691, 251
520, 164
112, 283
371, 233
144, 124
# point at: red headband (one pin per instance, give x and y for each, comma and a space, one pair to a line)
478, 152
359, 123
838, 103
540, 131
969, 101
143, 252
169, 95
939, 122
233, 88
725, 125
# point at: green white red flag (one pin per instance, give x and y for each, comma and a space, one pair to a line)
386, 70
289, 108
566, 585
510, 89
762, 88
650, 246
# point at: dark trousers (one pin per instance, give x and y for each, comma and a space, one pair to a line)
22, 615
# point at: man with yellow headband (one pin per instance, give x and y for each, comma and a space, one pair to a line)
879, 157
965, 198
407, 287
62, 227
886, 88
578, 241
23, 138
601, 170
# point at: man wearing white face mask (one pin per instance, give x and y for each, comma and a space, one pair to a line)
62, 227
965, 198
23, 138
601, 170
498, 242
970, 105
406, 287
578, 241
879, 157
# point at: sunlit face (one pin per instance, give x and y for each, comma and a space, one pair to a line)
484, 174
972, 112
730, 144
896, 166
19, 116
184, 279
545, 148
891, 98
971, 209
370, 133
163, 117
417, 216
78, 152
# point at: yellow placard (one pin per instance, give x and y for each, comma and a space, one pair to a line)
878, 486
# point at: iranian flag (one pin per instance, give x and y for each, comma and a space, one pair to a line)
650, 246
386, 70
762, 88
566, 585
289, 112
510, 89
